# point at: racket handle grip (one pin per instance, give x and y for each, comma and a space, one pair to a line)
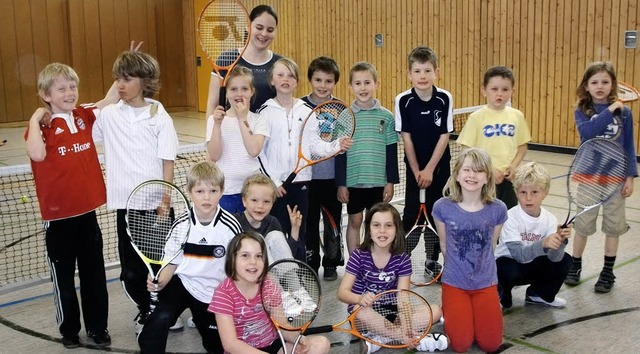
316, 330
223, 97
423, 196
154, 301
617, 112
289, 179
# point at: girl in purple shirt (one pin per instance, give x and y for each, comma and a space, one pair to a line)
378, 265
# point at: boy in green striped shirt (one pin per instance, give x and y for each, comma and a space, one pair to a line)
366, 173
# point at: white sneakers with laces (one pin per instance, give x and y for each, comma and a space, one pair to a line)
291, 307
432, 342
305, 300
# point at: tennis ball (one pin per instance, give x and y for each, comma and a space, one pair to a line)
25, 199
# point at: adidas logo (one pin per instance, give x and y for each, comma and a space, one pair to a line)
58, 131
202, 241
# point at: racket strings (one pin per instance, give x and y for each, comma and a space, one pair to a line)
598, 170
222, 28
395, 318
422, 245
333, 121
291, 294
150, 220
627, 93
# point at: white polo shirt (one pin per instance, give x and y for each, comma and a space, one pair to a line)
135, 143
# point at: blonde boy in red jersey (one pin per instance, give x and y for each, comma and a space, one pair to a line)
69, 186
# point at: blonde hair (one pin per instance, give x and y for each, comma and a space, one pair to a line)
140, 65
240, 71
532, 173
480, 162
48, 75
259, 180
363, 66
205, 171
289, 64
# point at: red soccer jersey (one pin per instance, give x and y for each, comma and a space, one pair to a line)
69, 180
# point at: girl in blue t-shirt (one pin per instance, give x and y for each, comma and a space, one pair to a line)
469, 220
380, 264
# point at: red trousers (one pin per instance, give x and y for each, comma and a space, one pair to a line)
472, 315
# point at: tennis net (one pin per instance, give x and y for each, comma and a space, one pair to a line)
22, 237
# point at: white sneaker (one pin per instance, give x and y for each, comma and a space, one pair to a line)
178, 325
433, 342
190, 322
558, 302
371, 347
291, 307
380, 339
305, 300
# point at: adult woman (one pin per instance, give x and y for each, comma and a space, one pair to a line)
257, 57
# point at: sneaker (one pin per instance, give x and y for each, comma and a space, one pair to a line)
179, 325
573, 278
305, 300
330, 273
558, 302
139, 321
377, 338
190, 322
71, 342
432, 269
605, 282
291, 307
432, 342
101, 338
371, 347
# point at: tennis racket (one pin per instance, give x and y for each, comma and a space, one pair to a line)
420, 241
395, 318
153, 233
291, 297
597, 172
224, 32
320, 135
332, 242
627, 93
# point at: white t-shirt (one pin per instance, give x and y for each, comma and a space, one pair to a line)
235, 162
527, 230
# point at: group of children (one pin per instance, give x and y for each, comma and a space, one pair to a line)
493, 232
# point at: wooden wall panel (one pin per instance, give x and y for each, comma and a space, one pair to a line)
88, 35
548, 43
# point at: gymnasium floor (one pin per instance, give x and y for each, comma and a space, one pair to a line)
591, 323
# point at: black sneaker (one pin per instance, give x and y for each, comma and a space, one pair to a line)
506, 301
605, 282
139, 321
573, 278
101, 338
330, 273
71, 342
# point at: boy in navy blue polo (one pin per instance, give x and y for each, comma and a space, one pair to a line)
424, 119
